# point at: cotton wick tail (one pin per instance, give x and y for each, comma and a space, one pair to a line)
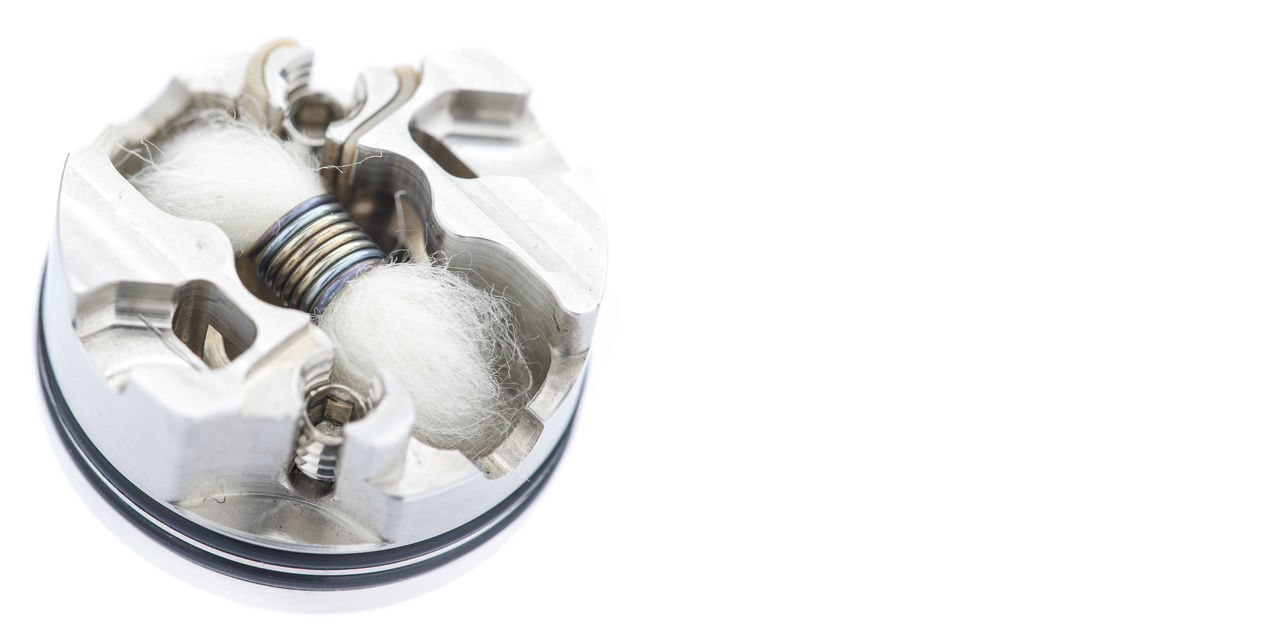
311, 252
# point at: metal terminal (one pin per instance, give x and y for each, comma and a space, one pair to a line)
312, 251
315, 459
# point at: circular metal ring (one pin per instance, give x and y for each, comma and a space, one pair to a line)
265, 565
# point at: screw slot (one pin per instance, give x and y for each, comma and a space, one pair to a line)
312, 112
315, 459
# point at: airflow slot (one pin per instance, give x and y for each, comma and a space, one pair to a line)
213, 328
443, 155
130, 324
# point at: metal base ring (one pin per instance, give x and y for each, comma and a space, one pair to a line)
264, 565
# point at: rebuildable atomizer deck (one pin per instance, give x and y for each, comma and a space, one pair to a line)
201, 406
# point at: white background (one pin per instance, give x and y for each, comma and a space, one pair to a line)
923, 320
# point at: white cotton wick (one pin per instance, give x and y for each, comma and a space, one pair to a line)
231, 173
452, 346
